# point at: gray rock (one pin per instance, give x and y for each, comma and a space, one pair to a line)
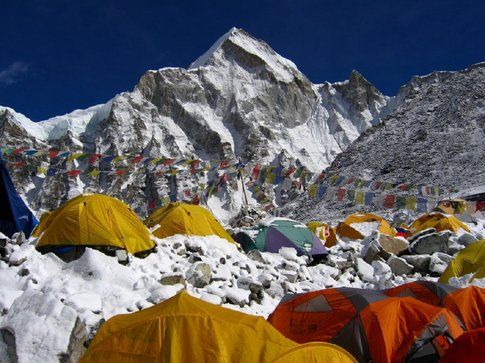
467, 238
364, 270
256, 255
265, 280
439, 262
338, 262
9, 339
173, 280
275, 289
371, 249
419, 262
431, 243
399, 266
76, 348
291, 275
420, 234
199, 274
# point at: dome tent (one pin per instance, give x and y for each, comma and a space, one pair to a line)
353, 220
186, 329
470, 260
368, 324
468, 304
183, 218
274, 233
439, 221
94, 220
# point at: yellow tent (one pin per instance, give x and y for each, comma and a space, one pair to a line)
95, 220
324, 232
469, 260
316, 352
383, 226
452, 206
41, 226
438, 221
186, 329
182, 218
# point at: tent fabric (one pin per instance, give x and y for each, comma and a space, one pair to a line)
95, 220
470, 260
384, 226
439, 221
186, 329
367, 323
468, 304
316, 352
15, 216
275, 233
468, 347
323, 231
344, 230
40, 227
188, 219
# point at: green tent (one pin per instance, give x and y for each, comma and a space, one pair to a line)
275, 233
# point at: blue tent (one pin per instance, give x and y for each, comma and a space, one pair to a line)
15, 216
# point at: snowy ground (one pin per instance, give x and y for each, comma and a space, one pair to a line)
43, 299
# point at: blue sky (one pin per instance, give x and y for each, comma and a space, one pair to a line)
57, 56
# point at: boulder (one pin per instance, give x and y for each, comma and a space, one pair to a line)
256, 255
431, 243
419, 262
199, 274
438, 262
466, 238
418, 235
173, 280
393, 245
399, 266
39, 327
364, 270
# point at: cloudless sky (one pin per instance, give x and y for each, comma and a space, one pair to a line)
59, 55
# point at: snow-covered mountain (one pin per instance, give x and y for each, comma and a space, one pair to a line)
239, 99
434, 136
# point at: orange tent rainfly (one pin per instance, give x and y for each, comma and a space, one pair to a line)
186, 329
367, 323
188, 219
468, 304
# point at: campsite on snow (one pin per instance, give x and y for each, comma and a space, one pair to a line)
234, 211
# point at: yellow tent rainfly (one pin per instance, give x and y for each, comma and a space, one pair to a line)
470, 260
439, 221
94, 220
182, 218
186, 329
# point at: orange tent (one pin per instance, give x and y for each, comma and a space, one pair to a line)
366, 323
469, 347
467, 304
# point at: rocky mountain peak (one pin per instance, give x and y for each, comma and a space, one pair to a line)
238, 46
